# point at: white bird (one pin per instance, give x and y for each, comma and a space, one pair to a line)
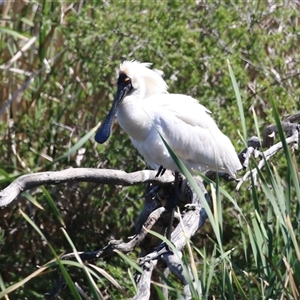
143, 107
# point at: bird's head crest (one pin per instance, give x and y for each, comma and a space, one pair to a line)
144, 80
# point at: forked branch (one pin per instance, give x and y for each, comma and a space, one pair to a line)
154, 253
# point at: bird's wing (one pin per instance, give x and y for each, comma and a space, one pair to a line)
191, 132
183, 107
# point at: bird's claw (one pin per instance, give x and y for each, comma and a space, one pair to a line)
190, 206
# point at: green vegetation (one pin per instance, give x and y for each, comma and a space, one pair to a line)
57, 89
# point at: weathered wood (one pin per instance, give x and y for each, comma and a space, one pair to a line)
155, 254
192, 220
144, 281
266, 155
103, 176
270, 132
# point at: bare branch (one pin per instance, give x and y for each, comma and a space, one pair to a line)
295, 118
110, 250
174, 263
136, 240
270, 131
153, 254
192, 220
266, 155
144, 280
104, 176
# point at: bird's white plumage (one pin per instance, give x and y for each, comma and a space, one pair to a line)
145, 81
186, 125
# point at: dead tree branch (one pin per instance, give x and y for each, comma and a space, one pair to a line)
192, 220
271, 130
119, 244
103, 176
144, 281
154, 251
155, 254
266, 155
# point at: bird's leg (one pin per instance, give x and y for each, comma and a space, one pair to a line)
161, 171
174, 201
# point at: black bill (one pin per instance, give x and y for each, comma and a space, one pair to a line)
104, 131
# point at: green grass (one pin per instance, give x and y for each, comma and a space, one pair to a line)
55, 93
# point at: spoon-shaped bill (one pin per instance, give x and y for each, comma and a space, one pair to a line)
104, 131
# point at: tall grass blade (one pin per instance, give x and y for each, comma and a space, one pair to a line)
196, 188
53, 205
131, 262
62, 268
291, 169
17, 285
132, 280
239, 100
256, 123
94, 288
32, 200
13, 33
79, 144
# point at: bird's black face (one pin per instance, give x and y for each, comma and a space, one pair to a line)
124, 82
124, 89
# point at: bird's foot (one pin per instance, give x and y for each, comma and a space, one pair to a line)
190, 206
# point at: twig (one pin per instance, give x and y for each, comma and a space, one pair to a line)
253, 144
119, 244
294, 118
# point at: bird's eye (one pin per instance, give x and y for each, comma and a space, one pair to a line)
123, 79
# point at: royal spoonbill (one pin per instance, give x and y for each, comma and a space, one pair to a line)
143, 107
